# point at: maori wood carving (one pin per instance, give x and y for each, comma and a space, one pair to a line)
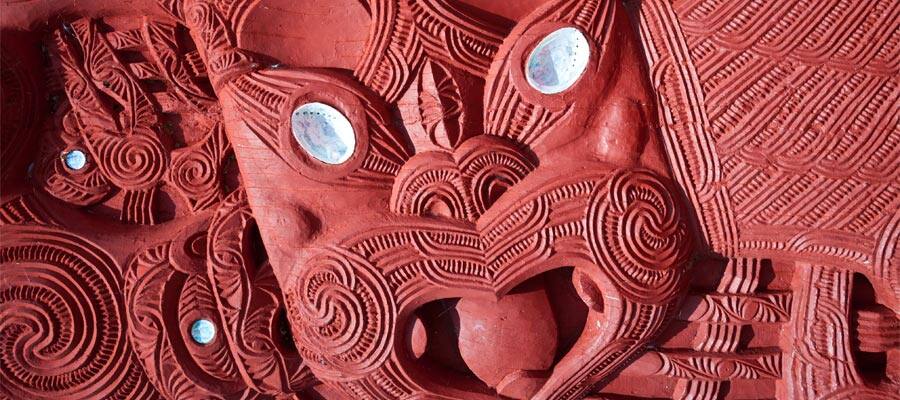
449, 199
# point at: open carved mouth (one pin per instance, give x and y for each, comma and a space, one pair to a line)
507, 346
352, 306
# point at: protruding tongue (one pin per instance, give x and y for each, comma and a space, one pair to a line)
510, 343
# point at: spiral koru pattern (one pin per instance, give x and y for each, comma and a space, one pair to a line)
343, 316
61, 331
196, 174
135, 162
638, 235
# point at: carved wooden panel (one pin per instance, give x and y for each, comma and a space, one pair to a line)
453, 199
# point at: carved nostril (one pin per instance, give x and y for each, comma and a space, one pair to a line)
496, 189
488, 190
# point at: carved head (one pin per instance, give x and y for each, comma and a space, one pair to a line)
474, 211
466, 199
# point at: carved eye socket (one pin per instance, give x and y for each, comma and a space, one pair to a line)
74, 159
203, 331
557, 61
323, 132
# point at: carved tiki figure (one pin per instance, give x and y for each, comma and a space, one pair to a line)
398, 199
367, 222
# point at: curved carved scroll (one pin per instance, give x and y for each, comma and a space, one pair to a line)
638, 235
161, 299
212, 276
136, 109
62, 320
249, 299
344, 316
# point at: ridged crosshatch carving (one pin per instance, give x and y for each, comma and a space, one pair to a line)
449, 199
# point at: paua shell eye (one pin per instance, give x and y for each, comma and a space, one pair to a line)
203, 331
557, 61
74, 159
323, 132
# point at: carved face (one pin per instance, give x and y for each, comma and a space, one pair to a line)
467, 199
514, 183
478, 209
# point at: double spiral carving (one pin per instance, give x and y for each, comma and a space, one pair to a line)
135, 162
61, 331
343, 315
638, 235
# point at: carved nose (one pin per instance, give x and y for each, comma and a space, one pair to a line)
461, 184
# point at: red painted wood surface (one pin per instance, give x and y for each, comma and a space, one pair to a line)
711, 210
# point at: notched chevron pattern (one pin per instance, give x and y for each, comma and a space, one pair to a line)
783, 123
